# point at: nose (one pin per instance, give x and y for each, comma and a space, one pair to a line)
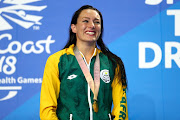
91, 25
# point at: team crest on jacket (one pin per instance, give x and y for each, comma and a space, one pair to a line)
104, 74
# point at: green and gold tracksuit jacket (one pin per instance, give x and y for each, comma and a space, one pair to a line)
65, 94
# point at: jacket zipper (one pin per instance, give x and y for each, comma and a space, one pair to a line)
89, 94
89, 90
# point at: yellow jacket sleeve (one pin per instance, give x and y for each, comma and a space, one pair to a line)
119, 100
50, 90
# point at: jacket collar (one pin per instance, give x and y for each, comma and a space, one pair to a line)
71, 47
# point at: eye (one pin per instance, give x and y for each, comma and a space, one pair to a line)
86, 21
97, 22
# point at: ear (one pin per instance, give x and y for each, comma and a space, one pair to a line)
73, 28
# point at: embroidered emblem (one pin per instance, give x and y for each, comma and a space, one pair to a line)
104, 74
72, 76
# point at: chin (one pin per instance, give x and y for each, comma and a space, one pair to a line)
92, 40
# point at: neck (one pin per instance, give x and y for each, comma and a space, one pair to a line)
87, 49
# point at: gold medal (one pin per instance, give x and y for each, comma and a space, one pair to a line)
95, 106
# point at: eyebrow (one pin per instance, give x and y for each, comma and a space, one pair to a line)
89, 18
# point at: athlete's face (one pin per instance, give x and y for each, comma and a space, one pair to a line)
88, 27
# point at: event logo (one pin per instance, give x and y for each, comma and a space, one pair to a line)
17, 12
22, 14
12, 91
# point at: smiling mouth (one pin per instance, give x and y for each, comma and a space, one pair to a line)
90, 33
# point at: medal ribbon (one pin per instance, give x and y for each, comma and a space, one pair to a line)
94, 84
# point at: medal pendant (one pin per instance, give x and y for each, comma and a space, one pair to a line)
95, 106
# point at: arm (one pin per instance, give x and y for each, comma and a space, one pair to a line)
119, 100
50, 90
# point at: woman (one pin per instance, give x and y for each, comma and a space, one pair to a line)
68, 90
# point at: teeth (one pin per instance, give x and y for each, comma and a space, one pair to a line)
90, 33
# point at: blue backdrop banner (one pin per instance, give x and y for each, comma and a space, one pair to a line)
144, 33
